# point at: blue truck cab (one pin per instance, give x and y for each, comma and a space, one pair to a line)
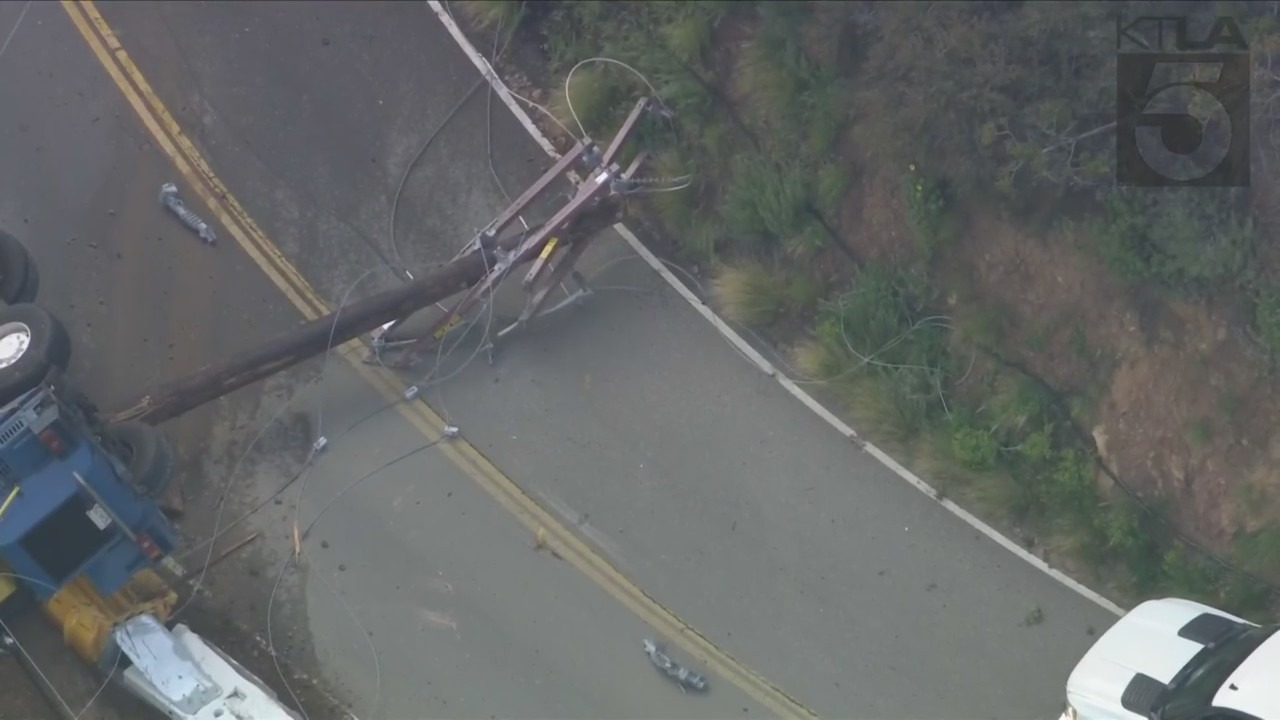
71, 505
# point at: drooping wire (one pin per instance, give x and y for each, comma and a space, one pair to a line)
303, 473
39, 670
14, 31
439, 359
219, 531
441, 354
430, 139
105, 680
235, 468
568, 96
492, 76
21, 649
271, 645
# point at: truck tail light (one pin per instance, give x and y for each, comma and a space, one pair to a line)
53, 440
148, 546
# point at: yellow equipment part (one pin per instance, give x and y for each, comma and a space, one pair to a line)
87, 618
7, 586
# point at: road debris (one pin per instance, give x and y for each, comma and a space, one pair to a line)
235, 547
169, 198
682, 676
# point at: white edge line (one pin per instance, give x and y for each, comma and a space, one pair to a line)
750, 352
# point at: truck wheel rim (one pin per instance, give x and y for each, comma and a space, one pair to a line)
15, 338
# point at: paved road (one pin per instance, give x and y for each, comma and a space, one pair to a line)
141, 299
718, 494
468, 619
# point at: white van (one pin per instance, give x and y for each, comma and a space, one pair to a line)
1176, 659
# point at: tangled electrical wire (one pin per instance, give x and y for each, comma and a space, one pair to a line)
309, 463
302, 475
12, 639
428, 380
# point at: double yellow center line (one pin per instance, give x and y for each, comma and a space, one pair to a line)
231, 215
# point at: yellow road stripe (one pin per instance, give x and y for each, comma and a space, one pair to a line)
224, 207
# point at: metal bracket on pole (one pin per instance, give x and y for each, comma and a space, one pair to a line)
541, 246
566, 264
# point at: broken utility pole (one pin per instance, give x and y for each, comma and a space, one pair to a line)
553, 246
316, 336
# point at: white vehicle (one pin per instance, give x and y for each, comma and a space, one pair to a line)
1175, 659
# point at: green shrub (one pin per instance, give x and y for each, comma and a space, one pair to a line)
1259, 551
698, 240
926, 210
831, 184
689, 35
1018, 404
975, 448
1037, 448
1190, 574
1131, 535
887, 408
716, 139
759, 295
1186, 240
799, 101
802, 290
492, 14
572, 31
592, 98
1246, 597
1070, 489
877, 342
817, 362
878, 324
1266, 317
764, 201
749, 293
808, 241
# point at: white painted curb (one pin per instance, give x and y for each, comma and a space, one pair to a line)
750, 352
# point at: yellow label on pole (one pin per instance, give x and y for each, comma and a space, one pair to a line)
453, 323
548, 249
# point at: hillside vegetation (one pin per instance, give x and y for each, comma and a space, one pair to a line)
918, 202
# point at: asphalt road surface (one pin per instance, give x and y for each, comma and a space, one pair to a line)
141, 299
704, 483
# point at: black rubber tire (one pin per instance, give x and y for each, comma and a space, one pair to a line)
19, 280
49, 348
147, 454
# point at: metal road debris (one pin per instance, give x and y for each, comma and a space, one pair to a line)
682, 676
169, 197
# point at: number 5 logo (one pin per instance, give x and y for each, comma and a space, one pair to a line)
1183, 120
1180, 112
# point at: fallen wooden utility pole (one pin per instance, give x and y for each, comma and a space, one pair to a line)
478, 269
316, 336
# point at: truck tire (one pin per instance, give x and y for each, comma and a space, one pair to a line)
19, 279
32, 343
147, 454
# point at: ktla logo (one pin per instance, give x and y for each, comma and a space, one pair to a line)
1182, 106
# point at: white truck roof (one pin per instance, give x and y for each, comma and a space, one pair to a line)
1254, 687
1128, 670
